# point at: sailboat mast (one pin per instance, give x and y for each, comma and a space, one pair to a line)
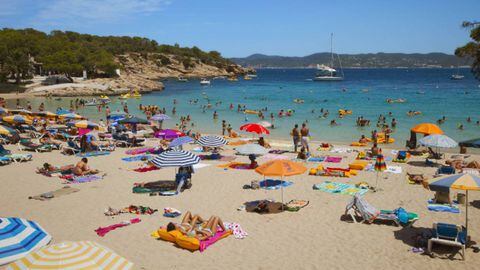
331, 50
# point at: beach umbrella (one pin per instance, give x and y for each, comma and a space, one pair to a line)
18, 237
3, 110
62, 111
427, 129
46, 114
379, 166
21, 112
6, 130
265, 124
17, 119
71, 116
160, 117
438, 140
212, 141
251, 149
133, 120
282, 168
73, 255
180, 141
168, 134
175, 158
254, 128
83, 124
462, 181
475, 143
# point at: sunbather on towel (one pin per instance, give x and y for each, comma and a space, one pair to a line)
82, 168
210, 228
189, 224
48, 168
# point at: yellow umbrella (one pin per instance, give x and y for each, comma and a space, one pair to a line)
6, 130
17, 119
427, 129
46, 114
72, 255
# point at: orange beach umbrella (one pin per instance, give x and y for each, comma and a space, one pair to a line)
427, 129
280, 168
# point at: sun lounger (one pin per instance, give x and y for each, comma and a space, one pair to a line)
27, 145
5, 160
450, 235
358, 207
19, 157
4, 151
71, 149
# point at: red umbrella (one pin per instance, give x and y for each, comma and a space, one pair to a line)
255, 128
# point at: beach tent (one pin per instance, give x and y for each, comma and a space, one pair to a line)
18, 237
73, 255
462, 181
280, 168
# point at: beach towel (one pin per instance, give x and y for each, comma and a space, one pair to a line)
171, 212
274, 157
264, 207
55, 194
93, 154
146, 169
341, 150
131, 209
168, 193
5, 160
102, 231
284, 145
315, 159
212, 240
200, 165
394, 169
271, 184
340, 188
82, 179
157, 186
236, 229
138, 158
139, 151
296, 205
222, 158
333, 159
436, 207
197, 149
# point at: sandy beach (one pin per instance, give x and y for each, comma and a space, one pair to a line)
316, 237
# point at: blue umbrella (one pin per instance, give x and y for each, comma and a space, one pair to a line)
438, 140
116, 116
212, 141
175, 158
160, 117
3, 110
18, 237
180, 141
133, 120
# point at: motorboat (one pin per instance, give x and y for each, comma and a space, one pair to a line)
204, 81
182, 79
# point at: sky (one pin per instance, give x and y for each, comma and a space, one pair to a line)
273, 27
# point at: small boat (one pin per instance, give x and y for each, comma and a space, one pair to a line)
204, 81
92, 102
182, 79
328, 73
456, 77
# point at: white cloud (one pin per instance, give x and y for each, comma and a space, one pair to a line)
69, 13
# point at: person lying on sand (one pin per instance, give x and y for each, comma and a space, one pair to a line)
195, 226
82, 168
48, 168
363, 139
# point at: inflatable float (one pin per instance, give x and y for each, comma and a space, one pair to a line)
250, 112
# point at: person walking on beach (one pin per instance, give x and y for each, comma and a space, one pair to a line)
296, 137
305, 132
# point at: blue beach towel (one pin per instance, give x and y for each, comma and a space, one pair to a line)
94, 154
316, 159
137, 158
271, 184
443, 207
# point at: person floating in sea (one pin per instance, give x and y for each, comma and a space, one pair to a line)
215, 115
333, 123
394, 123
469, 119
460, 127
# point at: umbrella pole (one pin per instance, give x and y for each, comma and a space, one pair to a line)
282, 191
466, 219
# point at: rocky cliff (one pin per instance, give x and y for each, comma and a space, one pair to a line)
142, 72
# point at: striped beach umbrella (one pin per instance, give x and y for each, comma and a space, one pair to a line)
175, 158
212, 141
18, 237
21, 112
180, 141
73, 255
379, 166
83, 124
462, 181
17, 119
6, 130
71, 116
46, 114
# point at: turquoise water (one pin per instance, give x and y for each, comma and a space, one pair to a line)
427, 90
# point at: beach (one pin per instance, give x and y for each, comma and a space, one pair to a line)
316, 237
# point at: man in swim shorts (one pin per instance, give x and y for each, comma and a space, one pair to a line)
305, 133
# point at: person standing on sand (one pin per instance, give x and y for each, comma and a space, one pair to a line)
305, 132
224, 127
296, 137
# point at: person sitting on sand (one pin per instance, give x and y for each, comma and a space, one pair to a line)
442, 197
263, 142
253, 162
363, 139
82, 168
302, 154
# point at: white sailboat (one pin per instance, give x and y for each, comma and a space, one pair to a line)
204, 81
328, 73
457, 76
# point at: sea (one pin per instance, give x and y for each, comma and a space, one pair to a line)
364, 92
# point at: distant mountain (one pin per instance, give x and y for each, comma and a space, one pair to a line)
380, 60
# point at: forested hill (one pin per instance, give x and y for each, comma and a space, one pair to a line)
380, 60
70, 53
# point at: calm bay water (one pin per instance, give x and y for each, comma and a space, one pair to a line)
427, 90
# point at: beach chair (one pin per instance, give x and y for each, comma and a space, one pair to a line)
71, 148
359, 208
5, 160
3, 151
450, 235
433, 154
444, 170
121, 141
28, 145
